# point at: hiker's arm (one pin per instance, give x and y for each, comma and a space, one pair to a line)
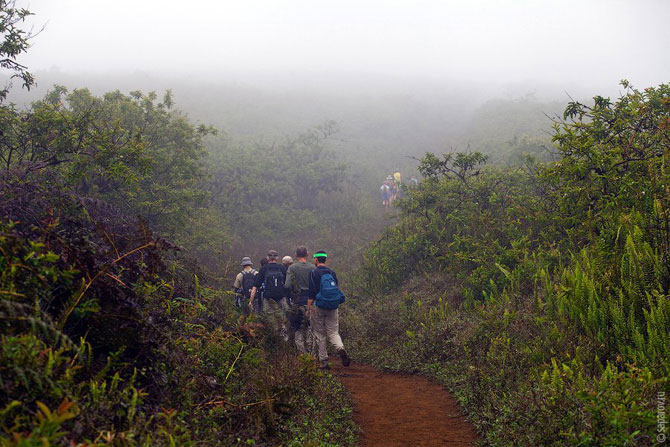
258, 281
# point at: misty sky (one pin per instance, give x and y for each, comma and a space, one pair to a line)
482, 40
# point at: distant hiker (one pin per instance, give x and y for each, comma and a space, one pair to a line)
413, 182
244, 282
272, 277
386, 194
323, 301
391, 186
395, 186
297, 280
397, 182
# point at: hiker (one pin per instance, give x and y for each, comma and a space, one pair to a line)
386, 194
287, 261
297, 280
392, 192
413, 182
323, 301
272, 277
244, 281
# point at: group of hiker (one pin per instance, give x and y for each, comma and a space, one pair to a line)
391, 188
298, 299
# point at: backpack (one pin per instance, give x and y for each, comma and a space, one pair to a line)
274, 283
248, 282
330, 296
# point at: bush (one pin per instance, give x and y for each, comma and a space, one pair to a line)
110, 338
553, 329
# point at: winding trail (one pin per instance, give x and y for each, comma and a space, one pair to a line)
395, 410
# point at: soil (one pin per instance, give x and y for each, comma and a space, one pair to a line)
396, 410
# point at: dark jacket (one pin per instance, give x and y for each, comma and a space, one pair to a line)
262, 273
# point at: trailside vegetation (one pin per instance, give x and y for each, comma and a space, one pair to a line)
112, 332
111, 337
15, 41
539, 293
297, 187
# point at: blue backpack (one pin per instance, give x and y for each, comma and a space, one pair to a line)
330, 296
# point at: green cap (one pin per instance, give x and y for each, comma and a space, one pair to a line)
320, 255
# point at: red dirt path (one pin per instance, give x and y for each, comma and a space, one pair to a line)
395, 410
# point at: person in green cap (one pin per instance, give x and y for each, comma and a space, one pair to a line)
323, 301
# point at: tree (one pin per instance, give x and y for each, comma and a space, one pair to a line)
614, 163
458, 165
14, 42
281, 188
132, 151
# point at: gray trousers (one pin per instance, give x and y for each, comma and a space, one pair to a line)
326, 326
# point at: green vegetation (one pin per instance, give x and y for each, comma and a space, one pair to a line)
15, 41
110, 338
538, 293
287, 190
536, 288
115, 328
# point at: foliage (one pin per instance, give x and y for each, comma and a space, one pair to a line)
613, 162
15, 41
455, 165
111, 338
538, 292
131, 151
298, 189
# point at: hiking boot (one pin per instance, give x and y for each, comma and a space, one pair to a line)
323, 364
346, 361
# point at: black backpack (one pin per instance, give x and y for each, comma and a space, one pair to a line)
274, 283
248, 282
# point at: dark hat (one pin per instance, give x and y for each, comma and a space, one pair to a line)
273, 254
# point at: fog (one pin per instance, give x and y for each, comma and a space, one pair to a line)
559, 42
398, 77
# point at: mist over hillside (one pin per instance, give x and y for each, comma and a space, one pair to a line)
394, 116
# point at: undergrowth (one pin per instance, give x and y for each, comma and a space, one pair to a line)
109, 337
538, 293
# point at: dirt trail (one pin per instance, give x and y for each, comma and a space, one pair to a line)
396, 410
